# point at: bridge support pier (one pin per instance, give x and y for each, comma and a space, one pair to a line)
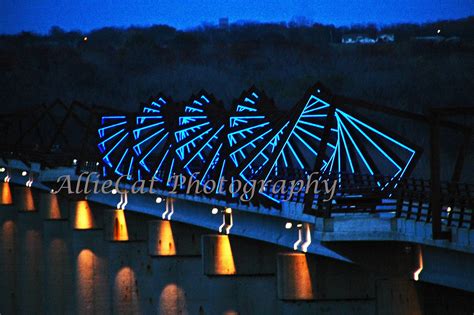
53, 207
57, 292
166, 238
57, 289
129, 282
224, 255
23, 198
161, 238
90, 272
294, 279
8, 249
90, 259
127, 256
217, 256
397, 296
29, 254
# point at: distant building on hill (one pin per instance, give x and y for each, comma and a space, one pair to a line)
357, 39
224, 23
385, 38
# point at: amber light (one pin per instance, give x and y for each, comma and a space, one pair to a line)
29, 203
294, 277
304, 287
85, 276
83, 216
223, 258
120, 226
126, 291
416, 274
6, 194
53, 207
165, 245
172, 300
24, 199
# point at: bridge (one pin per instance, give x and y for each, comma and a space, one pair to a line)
384, 242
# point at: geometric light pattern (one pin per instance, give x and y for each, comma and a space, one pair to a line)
254, 141
115, 138
153, 134
199, 136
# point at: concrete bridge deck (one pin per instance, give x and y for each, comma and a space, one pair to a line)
350, 239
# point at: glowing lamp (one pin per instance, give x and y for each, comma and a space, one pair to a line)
120, 230
218, 258
161, 239
5, 194
83, 217
23, 199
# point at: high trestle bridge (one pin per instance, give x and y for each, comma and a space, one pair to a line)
373, 154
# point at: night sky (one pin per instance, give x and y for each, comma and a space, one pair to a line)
85, 15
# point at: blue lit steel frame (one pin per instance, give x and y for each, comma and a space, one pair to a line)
292, 145
200, 137
255, 141
115, 142
154, 141
251, 123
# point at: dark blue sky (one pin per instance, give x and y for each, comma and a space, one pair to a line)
39, 16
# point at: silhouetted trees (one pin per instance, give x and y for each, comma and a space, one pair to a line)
121, 67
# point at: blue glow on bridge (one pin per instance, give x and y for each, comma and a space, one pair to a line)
259, 142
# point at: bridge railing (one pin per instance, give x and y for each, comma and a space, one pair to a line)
27, 155
353, 193
456, 199
358, 193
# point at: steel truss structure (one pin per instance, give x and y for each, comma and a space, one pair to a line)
253, 142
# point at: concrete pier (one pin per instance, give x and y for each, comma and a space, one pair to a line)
90, 272
231, 255
8, 257
23, 199
57, 260
161, 238
129, 265
398, 296
218, 257
30, 259
82, 271
116, 228
53, 206
167, 238
130, 279
29, 270
294, 279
